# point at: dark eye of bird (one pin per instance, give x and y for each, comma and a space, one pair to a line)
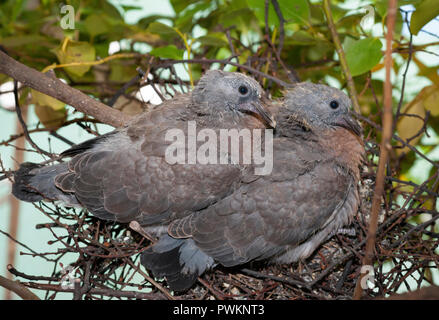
243, 90
333, 104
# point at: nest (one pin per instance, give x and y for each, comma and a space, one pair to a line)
108, 254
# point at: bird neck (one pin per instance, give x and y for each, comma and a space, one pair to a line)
345, 147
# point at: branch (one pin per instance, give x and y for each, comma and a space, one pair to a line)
427, 293
281, 26
96, 291
168, 62
341, 56
57, 89
17, 288
384, 148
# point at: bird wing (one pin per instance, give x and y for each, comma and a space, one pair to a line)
260, 219
125, 175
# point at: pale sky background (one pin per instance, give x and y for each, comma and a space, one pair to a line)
29, 216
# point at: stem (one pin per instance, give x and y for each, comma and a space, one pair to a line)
188, 49
341, 56
385, 147
90, 63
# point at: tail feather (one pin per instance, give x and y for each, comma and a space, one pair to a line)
35, 182
178, 260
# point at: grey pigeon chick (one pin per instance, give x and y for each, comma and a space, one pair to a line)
124, 175
311, 193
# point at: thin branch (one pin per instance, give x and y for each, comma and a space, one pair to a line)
341, 56
106, 291
21, 244
385, 147
404, 76
167, 62
281, 26
23, 124
291, 282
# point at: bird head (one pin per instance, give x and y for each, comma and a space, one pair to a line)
220, 91
319, 107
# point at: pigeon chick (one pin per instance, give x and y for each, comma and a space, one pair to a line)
283, 217
124, 175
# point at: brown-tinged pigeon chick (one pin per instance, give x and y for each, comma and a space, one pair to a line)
125, 175
311, 193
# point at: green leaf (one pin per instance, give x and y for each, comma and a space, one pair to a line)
293, 11
76, 51
145, 22
16, 9
240, 18
362, 55
127, 8
121, 71
184, 20
169, 52
50, 118
51, 112
302, 37
426, 11
213, 39
161, 29
96, 24
17, 41
45, 100
180, 5
108, 8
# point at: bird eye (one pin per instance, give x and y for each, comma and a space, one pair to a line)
333, 104
243, 90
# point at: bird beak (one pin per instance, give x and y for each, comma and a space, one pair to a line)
350, 124
259, 109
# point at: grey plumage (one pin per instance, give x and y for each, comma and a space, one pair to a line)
311, 193
205, 215
124, 175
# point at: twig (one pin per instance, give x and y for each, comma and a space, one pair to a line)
17, 273
60, 137
106, 292
341, 56
292, 76
404, 76
18, 289
61, 91
281, 26
167, 62
23, 123
122, 90
21, 244
384, 148
275, 278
